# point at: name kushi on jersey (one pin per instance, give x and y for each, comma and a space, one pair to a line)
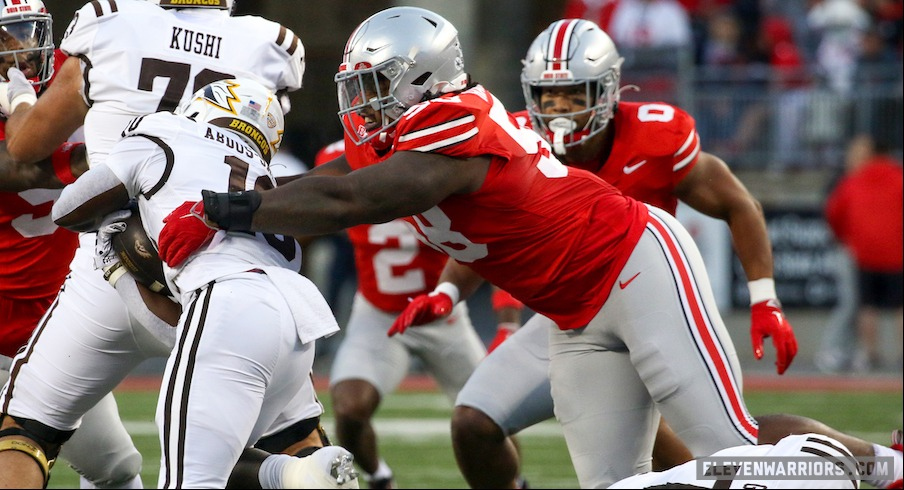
196, 42
171, 54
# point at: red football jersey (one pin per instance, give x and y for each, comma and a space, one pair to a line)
554, 237
392, 263
656, 145
34, 252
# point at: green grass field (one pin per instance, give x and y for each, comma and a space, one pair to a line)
414, 434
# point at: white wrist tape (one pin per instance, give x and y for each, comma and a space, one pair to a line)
762, 290
114, 272
449, 289
29, 98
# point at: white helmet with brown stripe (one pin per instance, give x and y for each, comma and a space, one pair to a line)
243, 106
572, 52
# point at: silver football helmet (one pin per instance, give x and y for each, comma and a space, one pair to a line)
26, 39
395, 59
572, 52
196, 4
242, 106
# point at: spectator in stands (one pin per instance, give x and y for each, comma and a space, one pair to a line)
840, 333
837, 26
879, 70
789, 79
650, 24
599, 11
889, 18
722, 45
865, 213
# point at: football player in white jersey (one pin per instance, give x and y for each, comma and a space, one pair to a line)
127, 58
814, 448
249, 319
35, 253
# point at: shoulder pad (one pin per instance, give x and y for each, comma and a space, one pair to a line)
160, 124
663, 128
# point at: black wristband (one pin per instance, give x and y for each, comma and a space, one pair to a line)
231, 210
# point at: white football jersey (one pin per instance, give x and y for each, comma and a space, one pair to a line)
165, 159
151, 59
805, 447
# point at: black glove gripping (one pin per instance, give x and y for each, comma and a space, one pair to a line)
231, 211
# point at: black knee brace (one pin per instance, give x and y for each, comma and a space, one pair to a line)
48, 440
290, 435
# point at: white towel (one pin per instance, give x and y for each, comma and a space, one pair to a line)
313, 317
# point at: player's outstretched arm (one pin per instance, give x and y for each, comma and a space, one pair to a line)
33, 132
62, 168
407, 183
714, 190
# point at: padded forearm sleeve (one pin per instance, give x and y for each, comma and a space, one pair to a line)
231, 210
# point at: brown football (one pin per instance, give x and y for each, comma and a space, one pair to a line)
139, 255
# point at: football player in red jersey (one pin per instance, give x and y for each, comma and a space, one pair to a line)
650, 151
489, 193
392, 266
36, 253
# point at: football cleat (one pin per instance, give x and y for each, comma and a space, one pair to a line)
328, 467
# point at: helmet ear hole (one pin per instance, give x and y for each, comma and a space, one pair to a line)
421, 80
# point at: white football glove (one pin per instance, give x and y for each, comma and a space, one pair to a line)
105, 258
15, 91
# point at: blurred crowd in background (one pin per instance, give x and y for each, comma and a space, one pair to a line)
780, 89
781, 85
777, 85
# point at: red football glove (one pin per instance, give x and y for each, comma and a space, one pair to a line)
185, 230
423, 309
503, 331
767, 320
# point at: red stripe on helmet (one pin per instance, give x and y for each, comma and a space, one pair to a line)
560, 38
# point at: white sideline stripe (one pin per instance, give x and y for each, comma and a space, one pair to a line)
403, 428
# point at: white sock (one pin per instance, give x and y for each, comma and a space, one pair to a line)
135, 482
383, 472
882, 451
270, 474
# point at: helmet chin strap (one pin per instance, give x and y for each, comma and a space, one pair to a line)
559, 127
383, 141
